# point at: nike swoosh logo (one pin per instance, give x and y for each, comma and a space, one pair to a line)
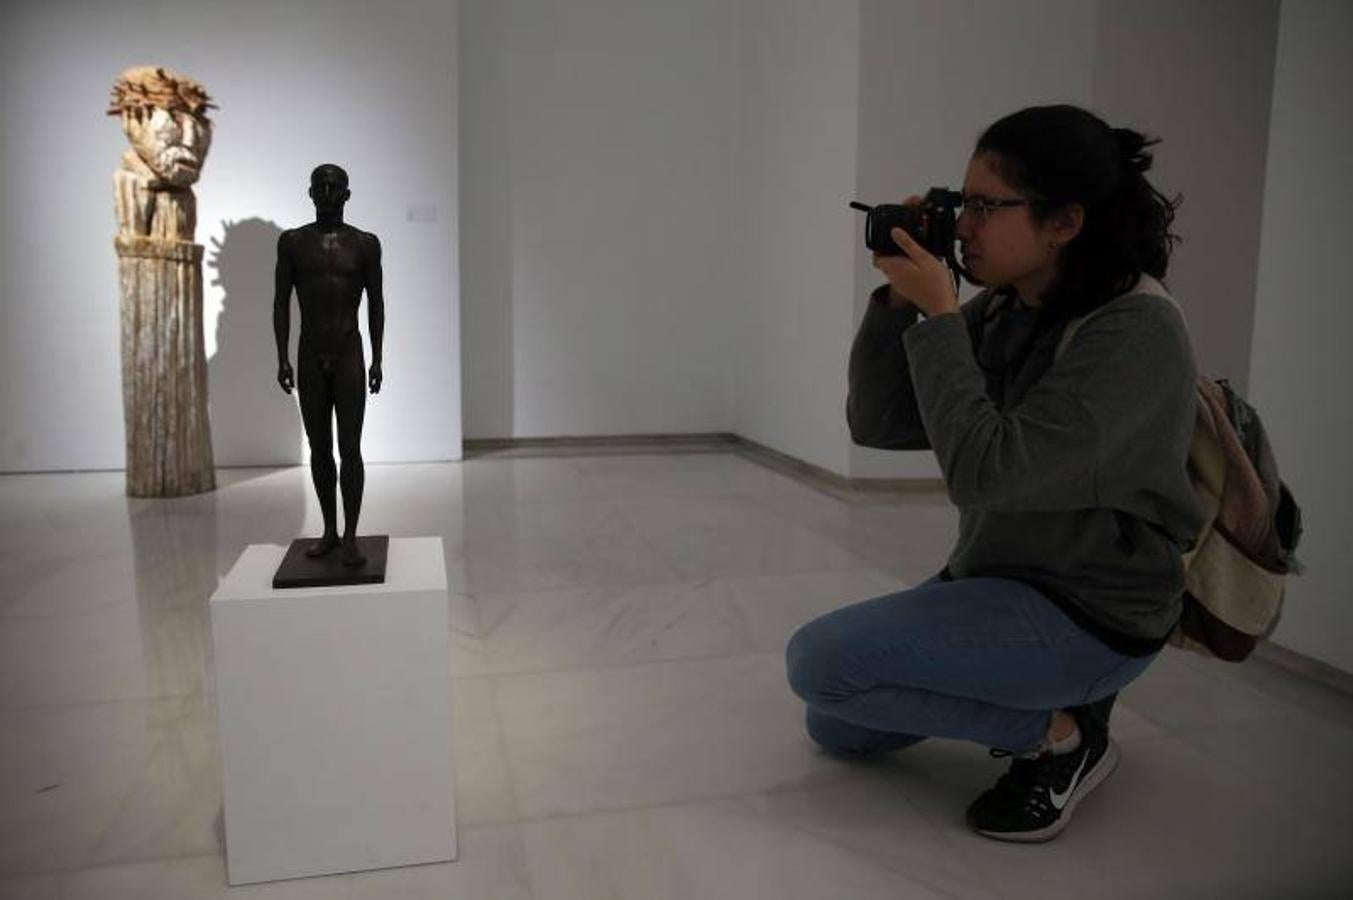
1059, 800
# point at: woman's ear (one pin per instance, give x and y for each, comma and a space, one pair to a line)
1068, 222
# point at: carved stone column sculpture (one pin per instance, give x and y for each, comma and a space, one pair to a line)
164, 364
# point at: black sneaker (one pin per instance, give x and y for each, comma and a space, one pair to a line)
1034, 800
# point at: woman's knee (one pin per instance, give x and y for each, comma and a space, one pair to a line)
803, 660
821, 653
833, 734
795, 658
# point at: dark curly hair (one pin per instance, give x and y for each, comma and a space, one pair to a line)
1059, 155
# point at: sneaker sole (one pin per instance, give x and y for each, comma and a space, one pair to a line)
1102, 770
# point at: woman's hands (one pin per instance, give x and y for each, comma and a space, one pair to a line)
919, 278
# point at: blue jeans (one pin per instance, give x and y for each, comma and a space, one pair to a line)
976, 659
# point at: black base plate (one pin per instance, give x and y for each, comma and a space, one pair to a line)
299, 570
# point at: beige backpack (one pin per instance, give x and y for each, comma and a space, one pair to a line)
1236, 570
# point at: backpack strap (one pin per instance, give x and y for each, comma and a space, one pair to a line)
1146, 284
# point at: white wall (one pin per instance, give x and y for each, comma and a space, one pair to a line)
1167, 69
797, 147
1300, 368
827, 101
371, 88
597, 216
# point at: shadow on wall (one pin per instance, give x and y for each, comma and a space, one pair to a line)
252, 422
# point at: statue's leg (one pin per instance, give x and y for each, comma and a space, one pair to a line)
314, 386
350, 390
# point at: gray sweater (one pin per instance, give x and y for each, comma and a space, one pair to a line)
1069, 477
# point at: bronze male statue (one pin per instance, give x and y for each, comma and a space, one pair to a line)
329, 263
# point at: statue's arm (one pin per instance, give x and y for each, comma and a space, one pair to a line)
283, 281
375, 308
375, 299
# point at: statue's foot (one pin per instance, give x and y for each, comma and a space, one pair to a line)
322, 546
352, 555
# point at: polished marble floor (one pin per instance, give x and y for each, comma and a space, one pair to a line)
622, 724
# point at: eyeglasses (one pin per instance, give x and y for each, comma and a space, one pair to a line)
981, 207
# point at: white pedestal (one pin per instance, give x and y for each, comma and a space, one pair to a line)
334, 714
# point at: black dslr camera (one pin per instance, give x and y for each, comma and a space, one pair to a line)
932, 225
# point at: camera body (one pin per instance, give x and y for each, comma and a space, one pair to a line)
932, 224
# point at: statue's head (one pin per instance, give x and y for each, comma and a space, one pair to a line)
329, 188
164, 115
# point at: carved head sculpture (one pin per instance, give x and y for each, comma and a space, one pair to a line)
164, 115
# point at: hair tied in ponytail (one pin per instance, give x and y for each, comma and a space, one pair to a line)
1131, 147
